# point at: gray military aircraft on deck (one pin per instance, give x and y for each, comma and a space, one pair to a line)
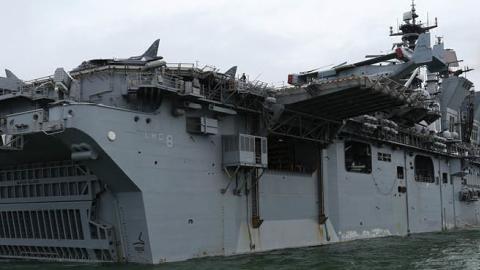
399, 63
149, 56
10, 82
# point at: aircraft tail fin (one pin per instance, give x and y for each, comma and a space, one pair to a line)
423, 51
231, 72
152, 51
10, 75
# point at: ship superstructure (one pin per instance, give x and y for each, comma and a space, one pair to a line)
142, 160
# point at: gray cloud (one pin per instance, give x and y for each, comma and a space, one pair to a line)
268, 38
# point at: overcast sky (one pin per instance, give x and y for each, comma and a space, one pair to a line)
266, 39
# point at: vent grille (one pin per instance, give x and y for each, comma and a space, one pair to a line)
42, 224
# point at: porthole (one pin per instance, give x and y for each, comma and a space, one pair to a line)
111, 136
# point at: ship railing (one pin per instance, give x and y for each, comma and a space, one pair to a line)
39, 171
34, 91
37, 88
148, 79
253, 87
280, 88
139, 79
39, 80
167, 80
171, 82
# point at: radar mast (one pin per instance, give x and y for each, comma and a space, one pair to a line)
410, 29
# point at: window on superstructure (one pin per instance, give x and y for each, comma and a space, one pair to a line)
358, 157
384, 157
424, 171
475, 134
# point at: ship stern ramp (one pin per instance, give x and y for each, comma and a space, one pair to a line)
62, 196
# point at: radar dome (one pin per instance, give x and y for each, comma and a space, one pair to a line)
446, 134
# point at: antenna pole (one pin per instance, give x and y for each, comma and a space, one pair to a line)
413, 12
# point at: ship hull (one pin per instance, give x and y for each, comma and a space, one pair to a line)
156, 193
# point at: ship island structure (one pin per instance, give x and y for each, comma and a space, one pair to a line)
145, 161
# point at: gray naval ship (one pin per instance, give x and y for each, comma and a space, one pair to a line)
141, 160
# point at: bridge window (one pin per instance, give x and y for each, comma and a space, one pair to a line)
358, 157
424, 171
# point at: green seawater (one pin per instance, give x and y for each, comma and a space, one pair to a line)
449, 250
